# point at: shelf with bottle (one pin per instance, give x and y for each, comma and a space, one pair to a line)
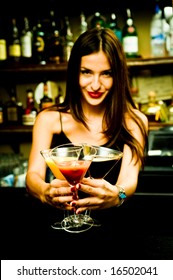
62, 67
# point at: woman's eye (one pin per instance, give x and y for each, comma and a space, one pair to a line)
107, 73
85, 72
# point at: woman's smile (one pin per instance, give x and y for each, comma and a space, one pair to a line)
95, 94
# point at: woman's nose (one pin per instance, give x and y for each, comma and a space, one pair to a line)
95, 83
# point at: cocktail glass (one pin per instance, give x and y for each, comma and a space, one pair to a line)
73, 161
56, 173
103, 163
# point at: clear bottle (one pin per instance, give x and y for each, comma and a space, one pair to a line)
14, 45
157, 36
54, 48
130, 37
26, 42
113, 24
83, 23
68, 40
38, 46
45, 101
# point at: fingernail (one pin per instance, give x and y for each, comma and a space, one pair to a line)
73, 189
73, 203
78, 186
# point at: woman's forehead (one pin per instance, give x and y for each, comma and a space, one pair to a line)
95, 61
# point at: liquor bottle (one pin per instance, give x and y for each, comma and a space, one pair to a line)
26, 42
83, 23
97, 21
157, 36
30, 111
155, 111
54, 48
45, 101
14, 45
130, 37
13, 110
38, 46
68, 40
3, 46
113, 24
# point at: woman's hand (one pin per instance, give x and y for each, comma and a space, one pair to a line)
59, 194
100, 195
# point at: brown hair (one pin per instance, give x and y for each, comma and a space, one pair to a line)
119, 100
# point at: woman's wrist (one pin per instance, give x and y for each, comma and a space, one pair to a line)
121, 195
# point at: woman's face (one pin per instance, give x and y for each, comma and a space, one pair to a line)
95, 78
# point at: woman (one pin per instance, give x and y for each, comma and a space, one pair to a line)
97, 109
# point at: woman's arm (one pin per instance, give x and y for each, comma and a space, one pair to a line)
41, 139
130, 167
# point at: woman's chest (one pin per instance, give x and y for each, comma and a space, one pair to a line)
77, 132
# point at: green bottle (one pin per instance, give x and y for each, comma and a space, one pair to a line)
130, 37
97, 21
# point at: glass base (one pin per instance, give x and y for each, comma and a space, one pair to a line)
83, 223
77, 223
96, 223
57, 225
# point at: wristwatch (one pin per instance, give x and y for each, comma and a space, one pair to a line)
122, 195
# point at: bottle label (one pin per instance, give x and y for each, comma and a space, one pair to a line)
40, 44
158, 46
46, 104
130, 44
3, 50
131, 29
12, 114
26, 46
15, 50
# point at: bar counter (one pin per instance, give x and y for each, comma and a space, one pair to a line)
140, 229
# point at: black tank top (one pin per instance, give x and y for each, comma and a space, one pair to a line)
97, 169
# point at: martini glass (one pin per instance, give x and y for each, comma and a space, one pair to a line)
56, 174
73, 161
103, 163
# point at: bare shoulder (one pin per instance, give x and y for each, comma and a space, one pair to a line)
140, 115
48, 119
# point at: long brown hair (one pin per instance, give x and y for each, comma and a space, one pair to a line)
118, 102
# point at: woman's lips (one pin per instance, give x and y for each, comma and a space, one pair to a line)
95, 94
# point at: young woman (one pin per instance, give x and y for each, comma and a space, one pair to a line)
98, 109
